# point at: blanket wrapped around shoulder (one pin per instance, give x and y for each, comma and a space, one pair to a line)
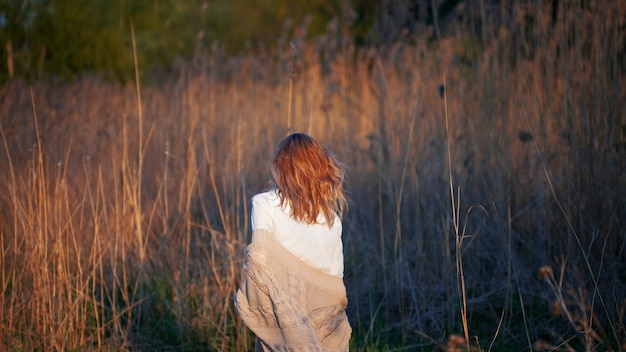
288, 304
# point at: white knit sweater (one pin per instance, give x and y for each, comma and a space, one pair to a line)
288, 304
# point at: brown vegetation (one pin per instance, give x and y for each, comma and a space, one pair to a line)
124, 228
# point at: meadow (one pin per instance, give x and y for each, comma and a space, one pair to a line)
486, 181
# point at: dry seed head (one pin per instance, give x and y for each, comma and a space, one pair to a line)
545, 272
293, 50
541, 346
456, 340
556, 308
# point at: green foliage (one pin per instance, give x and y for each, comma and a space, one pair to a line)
248, 24
86, 36
365, 12
18, 43
71, 37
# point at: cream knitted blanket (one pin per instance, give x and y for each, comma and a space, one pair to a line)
288, 304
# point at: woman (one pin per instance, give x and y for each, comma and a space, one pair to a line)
292, 294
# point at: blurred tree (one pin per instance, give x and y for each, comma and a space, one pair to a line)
166, 29
69, 37
366, 14
244, 24
18, 49
82, 36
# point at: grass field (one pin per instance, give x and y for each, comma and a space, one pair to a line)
486, 215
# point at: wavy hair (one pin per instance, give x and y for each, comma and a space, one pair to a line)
309, 178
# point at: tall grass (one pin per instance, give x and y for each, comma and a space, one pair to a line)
124, 221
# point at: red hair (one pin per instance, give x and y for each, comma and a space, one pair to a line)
308, 178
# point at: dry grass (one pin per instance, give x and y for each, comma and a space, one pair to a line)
121, 237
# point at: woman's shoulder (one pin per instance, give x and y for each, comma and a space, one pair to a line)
268, 198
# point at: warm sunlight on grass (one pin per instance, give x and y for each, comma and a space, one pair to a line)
114, 239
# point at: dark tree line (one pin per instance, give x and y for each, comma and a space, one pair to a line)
71, 37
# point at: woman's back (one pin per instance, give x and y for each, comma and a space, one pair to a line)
316, 244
